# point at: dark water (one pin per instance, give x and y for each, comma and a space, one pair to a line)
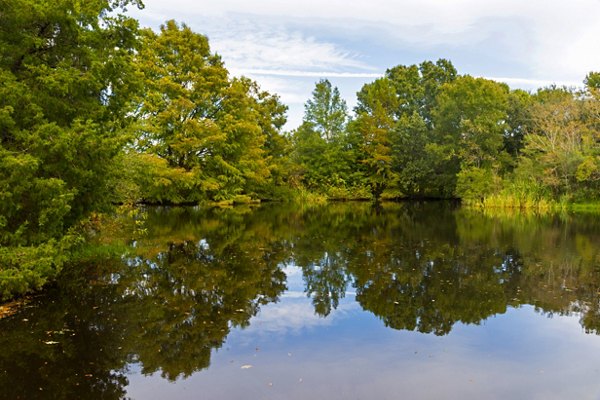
343, 301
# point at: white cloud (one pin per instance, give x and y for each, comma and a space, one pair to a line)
260, 46
295, 313
287, 45
307, 74
560, 40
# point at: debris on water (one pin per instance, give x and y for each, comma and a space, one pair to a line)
246, 366
51, 342
13, 307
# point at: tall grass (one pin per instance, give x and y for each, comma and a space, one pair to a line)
521, 195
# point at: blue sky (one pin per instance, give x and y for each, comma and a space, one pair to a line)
286, 46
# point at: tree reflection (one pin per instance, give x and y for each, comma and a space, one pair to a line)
71, 351
178, 292
166, 306
189, 299
426, 267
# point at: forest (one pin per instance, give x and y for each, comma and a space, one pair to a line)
96, 111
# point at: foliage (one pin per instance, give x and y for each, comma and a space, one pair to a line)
394, 120
65, 81
324, 152
95, 111
212, 131
326, 112
561, 149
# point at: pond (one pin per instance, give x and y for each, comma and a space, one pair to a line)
340, 301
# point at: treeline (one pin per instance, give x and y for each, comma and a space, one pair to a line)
423, 131
95, 110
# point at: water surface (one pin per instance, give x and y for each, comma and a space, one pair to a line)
342, 301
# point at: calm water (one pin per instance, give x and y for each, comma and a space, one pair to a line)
344, 301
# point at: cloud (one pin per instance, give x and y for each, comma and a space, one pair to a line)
555, 39
287, 45
295, 313
307, 74
263, 46
532, 83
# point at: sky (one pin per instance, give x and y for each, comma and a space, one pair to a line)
287, 46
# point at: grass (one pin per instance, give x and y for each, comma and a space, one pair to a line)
591, 207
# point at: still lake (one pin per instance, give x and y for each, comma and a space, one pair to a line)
340, 301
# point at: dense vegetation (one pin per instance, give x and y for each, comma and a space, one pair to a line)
95, 111
425, 131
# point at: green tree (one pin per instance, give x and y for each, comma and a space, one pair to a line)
323, 153
211, 130
401, 106
326, 112
592, 81
561, 149
374, 123
65, 86
519, 120
470, 123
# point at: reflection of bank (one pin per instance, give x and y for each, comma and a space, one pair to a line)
204, 280
191, 296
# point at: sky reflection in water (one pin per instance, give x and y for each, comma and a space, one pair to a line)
296, 354
340, 302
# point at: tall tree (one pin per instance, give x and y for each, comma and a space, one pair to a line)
321, 151
394, 116
65, 84
470, 118
209, 129
417, 86
374, 123
326, 111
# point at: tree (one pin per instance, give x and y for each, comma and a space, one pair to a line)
518, 122
210, 129
561, 149
374, 123
592, 81
470, 122
394, 116
326, 112
65, 85
323, 154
